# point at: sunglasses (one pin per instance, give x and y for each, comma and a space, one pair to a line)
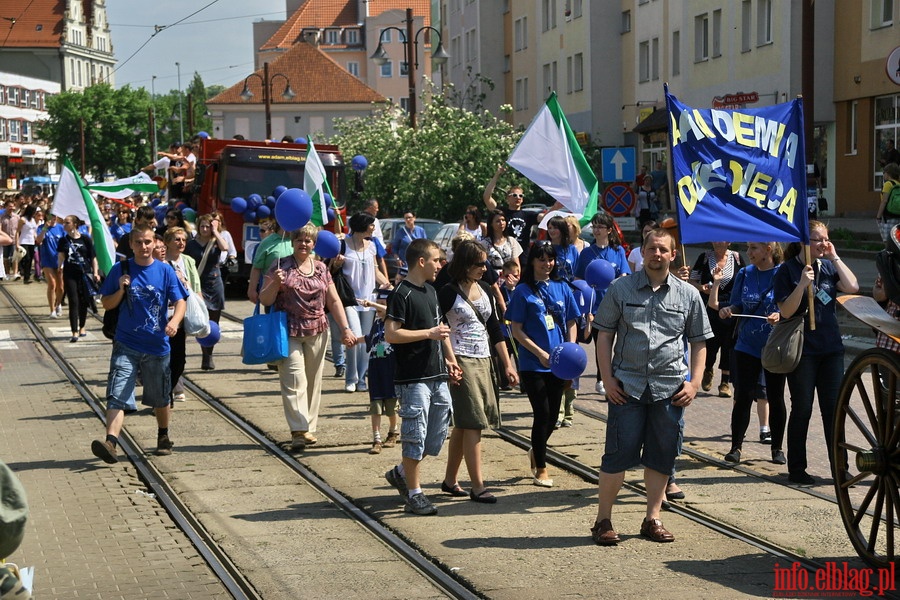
511, 195
264, 230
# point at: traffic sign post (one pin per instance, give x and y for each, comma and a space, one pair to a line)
618, 164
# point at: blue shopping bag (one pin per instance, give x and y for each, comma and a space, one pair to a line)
265, 337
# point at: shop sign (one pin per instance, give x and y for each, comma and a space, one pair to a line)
733, 101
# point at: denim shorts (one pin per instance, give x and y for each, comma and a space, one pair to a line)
123, 370
425, 408
642, 424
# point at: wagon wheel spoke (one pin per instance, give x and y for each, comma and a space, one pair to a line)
864, 505
861, 426
876, 519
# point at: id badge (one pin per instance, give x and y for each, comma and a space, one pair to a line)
379, 350
548, 320
823, 296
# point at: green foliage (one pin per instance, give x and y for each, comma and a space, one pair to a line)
110, 118
435, 170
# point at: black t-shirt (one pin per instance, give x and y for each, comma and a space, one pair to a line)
417, 308
79, 253
519, 224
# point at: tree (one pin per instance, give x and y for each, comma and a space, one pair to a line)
435, 170
110, 117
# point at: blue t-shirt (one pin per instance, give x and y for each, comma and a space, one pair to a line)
753, 294
48, 250
142, 323
530, 308
826, 339
403, 238
566, 261
117, 230
380, 252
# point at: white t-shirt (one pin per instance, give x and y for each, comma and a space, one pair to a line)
468, 336
636, 258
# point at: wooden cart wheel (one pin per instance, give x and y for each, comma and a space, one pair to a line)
866, 451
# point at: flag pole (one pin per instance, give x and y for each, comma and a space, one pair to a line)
809, 292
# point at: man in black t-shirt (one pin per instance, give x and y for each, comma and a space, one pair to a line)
425, 362
518, 222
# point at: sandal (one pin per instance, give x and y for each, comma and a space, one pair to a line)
454, 490
485, 497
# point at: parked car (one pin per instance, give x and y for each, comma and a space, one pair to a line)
444, 237
390, 226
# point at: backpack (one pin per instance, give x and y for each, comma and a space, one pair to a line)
893, 203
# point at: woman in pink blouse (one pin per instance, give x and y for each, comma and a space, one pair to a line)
301, 286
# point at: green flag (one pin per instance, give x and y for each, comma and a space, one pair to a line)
315, 184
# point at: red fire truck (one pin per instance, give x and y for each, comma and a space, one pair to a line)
228, 169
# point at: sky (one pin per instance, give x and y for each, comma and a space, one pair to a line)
216, 42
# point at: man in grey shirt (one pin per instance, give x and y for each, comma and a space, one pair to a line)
648, 315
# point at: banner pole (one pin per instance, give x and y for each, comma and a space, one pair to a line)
809, 292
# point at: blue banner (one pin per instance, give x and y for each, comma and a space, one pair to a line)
740, 175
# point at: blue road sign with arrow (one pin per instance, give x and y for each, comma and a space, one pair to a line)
618, 163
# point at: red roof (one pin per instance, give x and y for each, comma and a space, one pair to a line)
314, 76
318, 14
38, 24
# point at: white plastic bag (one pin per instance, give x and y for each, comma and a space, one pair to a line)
196, 317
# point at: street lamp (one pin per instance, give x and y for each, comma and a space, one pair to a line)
180, 110
439, 56
267, 82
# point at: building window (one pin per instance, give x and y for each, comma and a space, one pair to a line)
644, 61
404, 103
550, 82
852, 135
472, 46
746, 21
626, 21
352, 37
520, 33
13, 131
548, 12
570, 82
522, 93
882, 13
2, 130
764, 23
387, 69
577, 9
887, 128
456, 51
654, 59
26, 131
717, 33
404, 68
676, 53
2, 94
578, 72
385, 36
12, 96
353, 68
701, 38
332, 37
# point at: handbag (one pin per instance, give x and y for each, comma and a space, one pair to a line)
783, 349
265, 337
196, 316
111, 316
342, 284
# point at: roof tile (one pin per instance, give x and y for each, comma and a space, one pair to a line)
40, 26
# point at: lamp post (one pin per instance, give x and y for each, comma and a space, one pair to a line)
267, 83
180, 110
438, 57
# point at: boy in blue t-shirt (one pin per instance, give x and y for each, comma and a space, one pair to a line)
142, 338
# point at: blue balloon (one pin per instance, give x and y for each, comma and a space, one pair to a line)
327, 244
568, 360
599, 274
203, 135
270, 201
215, 334
249, 216
263, 211
254, 201
300, 140
584, 295
278, 191
293, 209
155, 202
238, 205
329, 201
359, 163
331, 214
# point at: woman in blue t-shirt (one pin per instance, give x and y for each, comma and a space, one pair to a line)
753, 294
542, 313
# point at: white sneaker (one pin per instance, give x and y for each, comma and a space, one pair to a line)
179, 397
350, 387
362, 387
53, 314
59, 310
600, 389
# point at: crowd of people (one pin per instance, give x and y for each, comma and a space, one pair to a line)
434, 347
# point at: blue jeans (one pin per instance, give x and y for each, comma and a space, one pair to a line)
425, 408
822, 374
123, 370
360, 321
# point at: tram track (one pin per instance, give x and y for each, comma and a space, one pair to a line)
204, 540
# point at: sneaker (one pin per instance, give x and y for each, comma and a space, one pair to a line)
724, 390
734, 456
340, 371
53, 314
16, 277
362, 387
180, 397
59, 309
558, 425
350, 387
765, 437
801, 477
391, 440
376, 447
778, 457
396, 479
418, 504
567, 423
164, 446
105, 451
706, 383
600, 389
